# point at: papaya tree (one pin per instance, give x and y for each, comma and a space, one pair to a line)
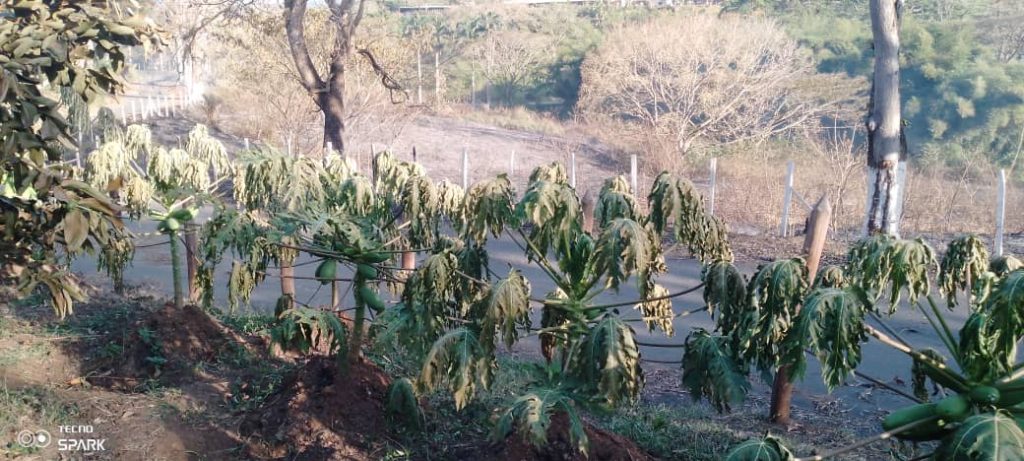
975, 416
74, 48
455, 310
167, 185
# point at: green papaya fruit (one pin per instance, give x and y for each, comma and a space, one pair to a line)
953, 408
366, 271
371, 298
985, 395
327, 271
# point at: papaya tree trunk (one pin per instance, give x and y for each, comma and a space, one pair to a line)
179, 297
814, 246
887, 150
192, 261
288, 282
355, 350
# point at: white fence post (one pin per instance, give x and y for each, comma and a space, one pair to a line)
465, 169
712, 177
135, 114
1000, 212
632, 173
572, 169
330, 148
787, 199
246, 140
512, 164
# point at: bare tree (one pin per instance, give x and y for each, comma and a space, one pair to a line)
887, 149
328, 88
512, 59
701, 80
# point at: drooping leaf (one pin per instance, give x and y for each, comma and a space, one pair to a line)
831, 276
676, 203
460, 361
882, 262
530, 415
610, 357
615, 201
830, 324
725, 291
767, 448
1002, 265
985, 437
489, 208
402, 406
508, 307
1006, 318
302, 328
626, 248
552, 211
774, 294
658, 312
711, 369
553, 172
919, 375
965, 261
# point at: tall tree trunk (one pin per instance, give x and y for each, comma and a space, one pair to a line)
333, 106
886, 143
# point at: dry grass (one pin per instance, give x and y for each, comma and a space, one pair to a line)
939, 200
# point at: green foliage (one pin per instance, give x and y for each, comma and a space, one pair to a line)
627, 248
988, 436
830, 324
460, 360
919, 376
610, 358
75, 49
963, 265
711, 369
402, 406
552, 210
301, 329
1005, 264
615, 201
767, 448
1006, 320
489, 208
676, 204
508, 306
774, 295
530, 415
882, 262
725, 291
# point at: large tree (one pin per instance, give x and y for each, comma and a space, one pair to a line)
326, 88
887, 149
701, 81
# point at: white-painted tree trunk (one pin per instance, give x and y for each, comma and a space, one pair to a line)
886, 148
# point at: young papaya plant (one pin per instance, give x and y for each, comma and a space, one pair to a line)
168, 185
979, 370
594, 357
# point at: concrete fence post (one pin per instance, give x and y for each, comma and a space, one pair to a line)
1000, 212
712, 179
787, 199
633, 174
465, 168
572, 170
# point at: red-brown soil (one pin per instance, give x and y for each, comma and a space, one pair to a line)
166, 344
604, 446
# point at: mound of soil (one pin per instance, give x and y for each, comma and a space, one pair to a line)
604, 446
166, 344
322, 412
